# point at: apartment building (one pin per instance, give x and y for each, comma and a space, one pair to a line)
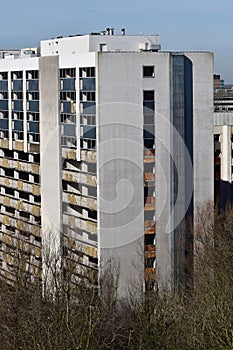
106, 149
223, 141
218, 82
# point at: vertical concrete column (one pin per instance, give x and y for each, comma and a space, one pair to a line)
50, 165
9, 111
78, 149
24, 111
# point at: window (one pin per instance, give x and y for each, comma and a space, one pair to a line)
103, 47
148, 95
148, 103
148, 71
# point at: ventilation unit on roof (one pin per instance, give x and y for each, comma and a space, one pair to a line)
154, 47
144, 46
149, 47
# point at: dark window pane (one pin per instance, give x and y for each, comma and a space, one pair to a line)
88, 84
18, 105
148, 72
89, 107
4, 124
69, 130
33, 85
69, 84
148, 119
148, 107
18, 125
3, 85
4, 104
17, 85
33, 106
89, 132
34, 127
148, 95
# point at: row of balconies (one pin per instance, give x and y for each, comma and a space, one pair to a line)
87, 156
20, 205
8, 271
21, 225
7, 275
86, 225
81, 201
20, 185
19, 146
32, 147
80, 178
20, 165
23, 241
72, 244
23, 246
80, 268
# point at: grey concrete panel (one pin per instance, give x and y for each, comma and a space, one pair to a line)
50, 151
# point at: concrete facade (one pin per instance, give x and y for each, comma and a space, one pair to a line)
50, 164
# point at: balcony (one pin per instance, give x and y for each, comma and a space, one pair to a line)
4, 143
149, 203
20, 185
20, 205
91, 251
149, 177
7, 239
149, 227
149, 159
34, 147
149, 251
149, 153
18, 145
150, 274
19, 165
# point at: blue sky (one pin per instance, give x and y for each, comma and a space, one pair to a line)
182, 25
